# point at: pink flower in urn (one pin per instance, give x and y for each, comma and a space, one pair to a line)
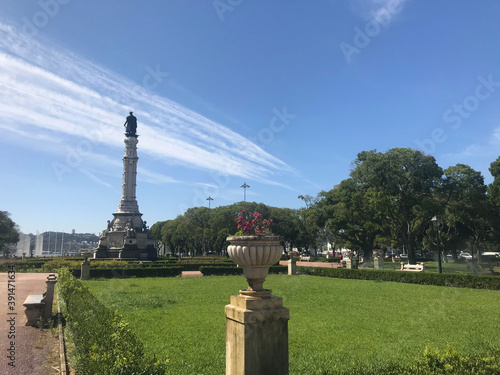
252, 224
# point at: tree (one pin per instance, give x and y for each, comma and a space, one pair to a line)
494, 188
351, 217
9, 232
468, 212
401, 184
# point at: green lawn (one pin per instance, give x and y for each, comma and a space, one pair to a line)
333, 322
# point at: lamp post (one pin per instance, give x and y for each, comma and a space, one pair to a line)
245, 186
436, 221
209, 199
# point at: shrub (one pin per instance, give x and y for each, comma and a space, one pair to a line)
103, 342
109, 273
220, 270
226, 270
454, 280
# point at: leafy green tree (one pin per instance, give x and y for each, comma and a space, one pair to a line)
285, 224
468, 212
9, 232
494, 188
351, 217
401, 184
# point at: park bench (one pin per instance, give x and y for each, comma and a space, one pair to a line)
305, 259
412, 267
40, 305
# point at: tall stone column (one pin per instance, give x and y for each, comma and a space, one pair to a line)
127, 235
128, 209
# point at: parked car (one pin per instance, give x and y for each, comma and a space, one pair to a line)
465, 255
403, 256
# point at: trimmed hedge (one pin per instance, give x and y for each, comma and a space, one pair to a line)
433, 361
103, 342
454, 280
220, 270
224, 270
109, 273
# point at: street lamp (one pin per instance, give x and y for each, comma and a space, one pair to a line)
209, 199
245, 186
436, 222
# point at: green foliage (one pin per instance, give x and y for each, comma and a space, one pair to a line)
104, 342
220, 271
9, 232
57, 263
225, 271
453, 280
109, 273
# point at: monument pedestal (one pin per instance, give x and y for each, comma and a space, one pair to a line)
127, 236
256, 334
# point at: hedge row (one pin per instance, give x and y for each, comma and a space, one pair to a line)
432, 362
223, 270
454, 280
109, 273
103, 342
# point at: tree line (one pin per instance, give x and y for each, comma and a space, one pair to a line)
389, 199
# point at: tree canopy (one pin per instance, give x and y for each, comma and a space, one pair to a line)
9, 232
388, 199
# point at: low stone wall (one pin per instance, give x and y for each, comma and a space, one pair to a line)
313, 264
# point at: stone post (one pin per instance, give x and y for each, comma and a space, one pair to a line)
256, 335
348, 263
378, 263
85, 272
292, 266
49, 296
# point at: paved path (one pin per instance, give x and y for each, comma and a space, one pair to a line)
36, 350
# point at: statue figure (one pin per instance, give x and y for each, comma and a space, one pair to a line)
131, 125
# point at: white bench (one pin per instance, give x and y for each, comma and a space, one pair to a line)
305, 259
420, 267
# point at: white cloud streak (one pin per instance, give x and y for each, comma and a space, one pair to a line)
50, 93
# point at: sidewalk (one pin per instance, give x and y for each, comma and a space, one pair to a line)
36, 351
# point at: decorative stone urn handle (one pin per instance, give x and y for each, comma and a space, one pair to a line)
255, 254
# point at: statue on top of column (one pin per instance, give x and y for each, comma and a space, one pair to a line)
131, 125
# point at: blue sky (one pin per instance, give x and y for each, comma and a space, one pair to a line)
281, 95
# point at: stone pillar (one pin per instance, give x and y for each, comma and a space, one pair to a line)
85, 274
49, 296
85, 270
378, 263
292, 266
256, 335
348, 263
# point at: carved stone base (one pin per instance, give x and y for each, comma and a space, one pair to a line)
256, 335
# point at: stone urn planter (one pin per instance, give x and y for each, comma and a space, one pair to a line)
255, 254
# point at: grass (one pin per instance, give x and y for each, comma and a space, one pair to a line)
334, 323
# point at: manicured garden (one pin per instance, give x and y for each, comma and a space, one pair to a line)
336, 325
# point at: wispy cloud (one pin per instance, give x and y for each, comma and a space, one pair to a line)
48, 92
377, 9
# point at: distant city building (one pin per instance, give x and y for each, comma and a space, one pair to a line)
49, 244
